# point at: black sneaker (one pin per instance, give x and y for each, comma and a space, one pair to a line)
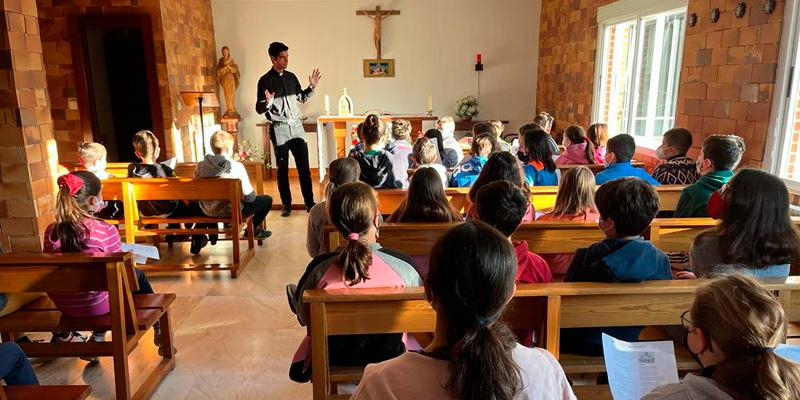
212, 238
262, 234
286, 211
198, 242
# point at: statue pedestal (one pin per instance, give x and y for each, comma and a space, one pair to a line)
230, 123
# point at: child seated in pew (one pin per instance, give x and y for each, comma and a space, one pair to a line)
15, 369
358, 146
598, 135
491, 129
502, 205
626, 206
546, 121
340, 171
578, 149
618, 161
376, 166
755, 235
467, 172
145, 144
77, 230
540, 169
718, 158
222, 165
425, 200
424, 153
93, 157
360, 263
400, 150
732, 329
574, 202
501, 166
677, 169
473, 354
452, 153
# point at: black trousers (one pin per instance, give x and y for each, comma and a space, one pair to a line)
299, 150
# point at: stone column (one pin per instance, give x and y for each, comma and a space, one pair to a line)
28, 153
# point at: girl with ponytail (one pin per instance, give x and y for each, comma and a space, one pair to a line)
732, 329
340, 171
578, 149
473, 354
76, 230
360, 262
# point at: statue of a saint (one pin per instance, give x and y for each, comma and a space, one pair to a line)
228, 77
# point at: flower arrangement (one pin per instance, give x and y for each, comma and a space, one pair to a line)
246, 151
467, 108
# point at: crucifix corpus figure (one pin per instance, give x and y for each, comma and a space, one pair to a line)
378, 15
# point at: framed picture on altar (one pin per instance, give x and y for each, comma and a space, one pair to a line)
383, 68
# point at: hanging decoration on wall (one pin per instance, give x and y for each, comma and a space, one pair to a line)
378, 67
692, 20
741, 9
715, 15
769, 6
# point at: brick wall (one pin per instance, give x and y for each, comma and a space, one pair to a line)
181, 31
191, 60
727, 76
27, 147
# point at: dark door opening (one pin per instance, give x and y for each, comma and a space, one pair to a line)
120, 86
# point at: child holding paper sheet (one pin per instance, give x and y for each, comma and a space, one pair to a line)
733, 328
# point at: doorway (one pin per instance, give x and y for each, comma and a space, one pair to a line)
119, 94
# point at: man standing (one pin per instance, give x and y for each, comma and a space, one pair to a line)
278, 95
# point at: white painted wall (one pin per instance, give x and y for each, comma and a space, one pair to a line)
433, 42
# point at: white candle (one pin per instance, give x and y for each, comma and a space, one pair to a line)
327, 105
430, 103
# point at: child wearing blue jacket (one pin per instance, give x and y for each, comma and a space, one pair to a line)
467, 172
626, 206
540, 168
619, 153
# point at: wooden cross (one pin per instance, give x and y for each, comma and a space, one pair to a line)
378, 15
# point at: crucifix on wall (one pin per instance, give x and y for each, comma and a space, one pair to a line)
378, 67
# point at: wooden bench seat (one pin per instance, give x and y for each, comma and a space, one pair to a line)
45, 392
129, 319
135, 190
545, 308
592, 392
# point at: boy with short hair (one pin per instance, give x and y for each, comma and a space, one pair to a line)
222, 165
678, 169
453, 152
620, 150
400, 149
626, 207
467, 172
94, 156
718, 157
424, 153
502, 205
147, 150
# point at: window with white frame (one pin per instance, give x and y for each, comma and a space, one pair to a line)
783, 154
640, 46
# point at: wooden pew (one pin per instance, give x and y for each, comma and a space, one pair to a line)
255, 171
543, 198
130, 317
189, 189
558, 305
45, 392
595, 168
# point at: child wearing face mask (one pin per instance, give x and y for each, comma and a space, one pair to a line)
732, 329
719, 157
677, 169
76, 230
626, 206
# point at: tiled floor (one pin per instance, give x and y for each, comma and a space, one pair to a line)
235, 338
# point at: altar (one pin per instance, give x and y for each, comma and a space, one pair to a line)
337, 143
